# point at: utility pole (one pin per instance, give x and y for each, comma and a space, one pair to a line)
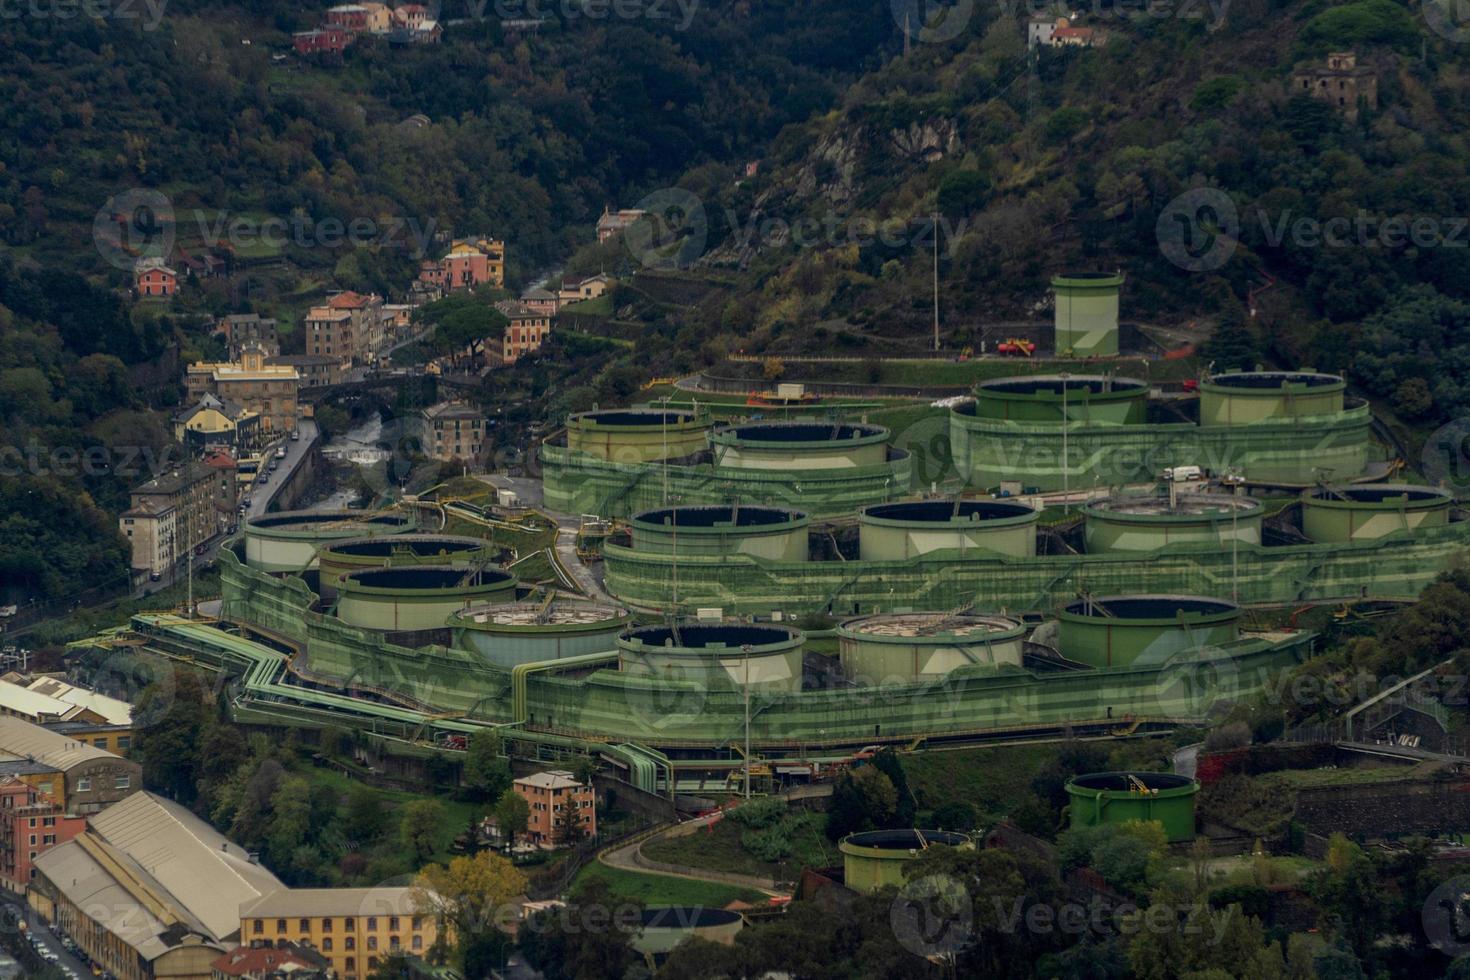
934, 219
1066, 460
745, 649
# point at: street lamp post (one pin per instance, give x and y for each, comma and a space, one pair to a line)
745, 649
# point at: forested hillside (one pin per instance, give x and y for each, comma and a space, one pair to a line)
1079, 158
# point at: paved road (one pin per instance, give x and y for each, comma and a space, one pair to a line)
296, 450
47, 939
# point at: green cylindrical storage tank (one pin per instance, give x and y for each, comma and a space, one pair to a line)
1146, 523
638, 435
800, 445
1368, 511
1243, 397
1086, 313
893, 532
875, 859
764, 532
1114, 797
906, 647
716, 654
288, 541
511, 633
1118, 631
417, 597
338, 558
661, 928
1084, 399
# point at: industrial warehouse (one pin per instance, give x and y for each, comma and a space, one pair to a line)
783, 585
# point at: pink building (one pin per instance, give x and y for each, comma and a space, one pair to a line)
153, 278
30, 824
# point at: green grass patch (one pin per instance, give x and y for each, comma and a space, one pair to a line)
600, 306
720, 849
662, 890
989, 779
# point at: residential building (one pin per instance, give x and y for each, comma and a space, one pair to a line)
354, 928
410, 15
321, 40
574, 291
352, 18
1039, 30
242, 330
31, 823
268, 390
398, 317
525, 332
81, 778
329, 333
470, 262
149, 890
542, 301
214, 422
453, 430
288, 961
556, 797
315, 369
153, 277
366, 312
616, 222
1340, 82
177, 511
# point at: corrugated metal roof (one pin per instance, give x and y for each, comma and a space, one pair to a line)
208, 875
21, 738
309, 902
112, 710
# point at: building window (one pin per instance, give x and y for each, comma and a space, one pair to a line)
326, 925
305, 925
346, 923
372, 942
351, 963
122, 782
259, 926
418, 942
280, 925
372, 922
349, 943
84, 784
327, 944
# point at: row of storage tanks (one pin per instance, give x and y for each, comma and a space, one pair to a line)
403, 582
635, 435
1125, 523
1231, 398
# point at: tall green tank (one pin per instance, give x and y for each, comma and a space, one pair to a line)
417, 597
1082, 399
716, 655
1117, 797
1244, 397
1139, 522
1369, 511
638, 435
1086, 313
892, 532
762, 532
1119, 631
800, 445
876, 859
